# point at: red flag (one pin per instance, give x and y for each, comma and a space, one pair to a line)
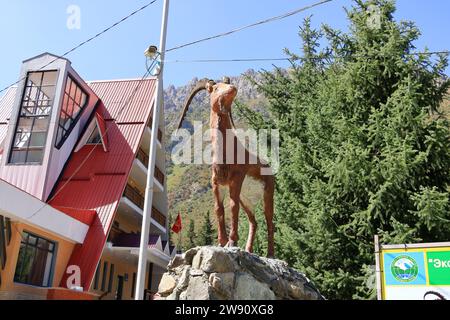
177, 226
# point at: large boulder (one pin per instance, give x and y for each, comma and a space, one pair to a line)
215, 273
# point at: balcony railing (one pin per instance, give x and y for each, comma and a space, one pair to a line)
134, 196
143, 157
158, 217
160, 134
159, 176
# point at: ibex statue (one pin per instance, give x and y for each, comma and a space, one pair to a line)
232, 174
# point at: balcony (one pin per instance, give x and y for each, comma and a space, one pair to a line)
158, 175
134, 196
126, 246
160, 134
137, 203
143, 157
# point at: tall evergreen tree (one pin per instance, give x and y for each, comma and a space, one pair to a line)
364, 150
191, 234
206, 234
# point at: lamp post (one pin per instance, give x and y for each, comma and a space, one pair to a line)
151, 52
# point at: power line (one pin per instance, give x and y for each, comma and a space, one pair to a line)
86, 41
287, 59
285, 15
226, 60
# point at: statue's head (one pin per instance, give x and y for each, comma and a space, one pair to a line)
221, 94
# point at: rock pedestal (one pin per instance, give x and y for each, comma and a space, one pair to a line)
215, 273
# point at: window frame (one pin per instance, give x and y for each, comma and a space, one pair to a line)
54, 252
33, 119
60, 140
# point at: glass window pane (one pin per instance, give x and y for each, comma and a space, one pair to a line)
21, 139
94, 137
50, 78
43, 244
76, 111
73, 90
35, 78
25, 124
35, 156
32, 240
48, 266
34, 117
68, 84
69, 108
78, 96
60, 133
24, 263
38, 139
83, 100
18, 156
65, 101
73, 103
35, 261
40, 124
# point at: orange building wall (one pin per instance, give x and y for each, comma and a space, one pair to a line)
11, 290
121, 267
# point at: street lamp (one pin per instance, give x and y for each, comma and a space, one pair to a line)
151, 52
153, 60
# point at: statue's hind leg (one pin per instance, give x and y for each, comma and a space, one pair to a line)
269, 188
235, 194
252, 227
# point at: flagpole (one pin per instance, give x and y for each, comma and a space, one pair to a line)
148, 203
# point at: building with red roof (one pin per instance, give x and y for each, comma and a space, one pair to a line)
73, 170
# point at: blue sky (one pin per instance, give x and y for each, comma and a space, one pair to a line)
28, 28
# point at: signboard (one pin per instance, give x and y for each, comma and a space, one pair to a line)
413, 272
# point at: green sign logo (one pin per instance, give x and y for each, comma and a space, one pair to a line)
404, 269
439, 267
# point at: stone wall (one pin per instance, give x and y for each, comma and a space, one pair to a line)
215, 273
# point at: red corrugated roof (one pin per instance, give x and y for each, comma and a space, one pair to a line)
98, 183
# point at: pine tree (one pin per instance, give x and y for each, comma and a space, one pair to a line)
364, 149
191, 234
206, 236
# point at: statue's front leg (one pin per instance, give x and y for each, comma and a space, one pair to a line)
220, 214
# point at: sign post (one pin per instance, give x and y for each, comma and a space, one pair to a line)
413, 271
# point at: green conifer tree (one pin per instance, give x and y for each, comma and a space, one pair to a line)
207, 235
364, 149
191, 234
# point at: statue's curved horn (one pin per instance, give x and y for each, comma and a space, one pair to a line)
201, 85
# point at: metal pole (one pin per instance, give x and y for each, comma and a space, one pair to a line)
378, 267
148, 204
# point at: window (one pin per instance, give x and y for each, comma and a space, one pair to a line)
97, 275
74, 101
105, 272
95, 137
111, 278
34, 117
35, 262
5, 238
133, 285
